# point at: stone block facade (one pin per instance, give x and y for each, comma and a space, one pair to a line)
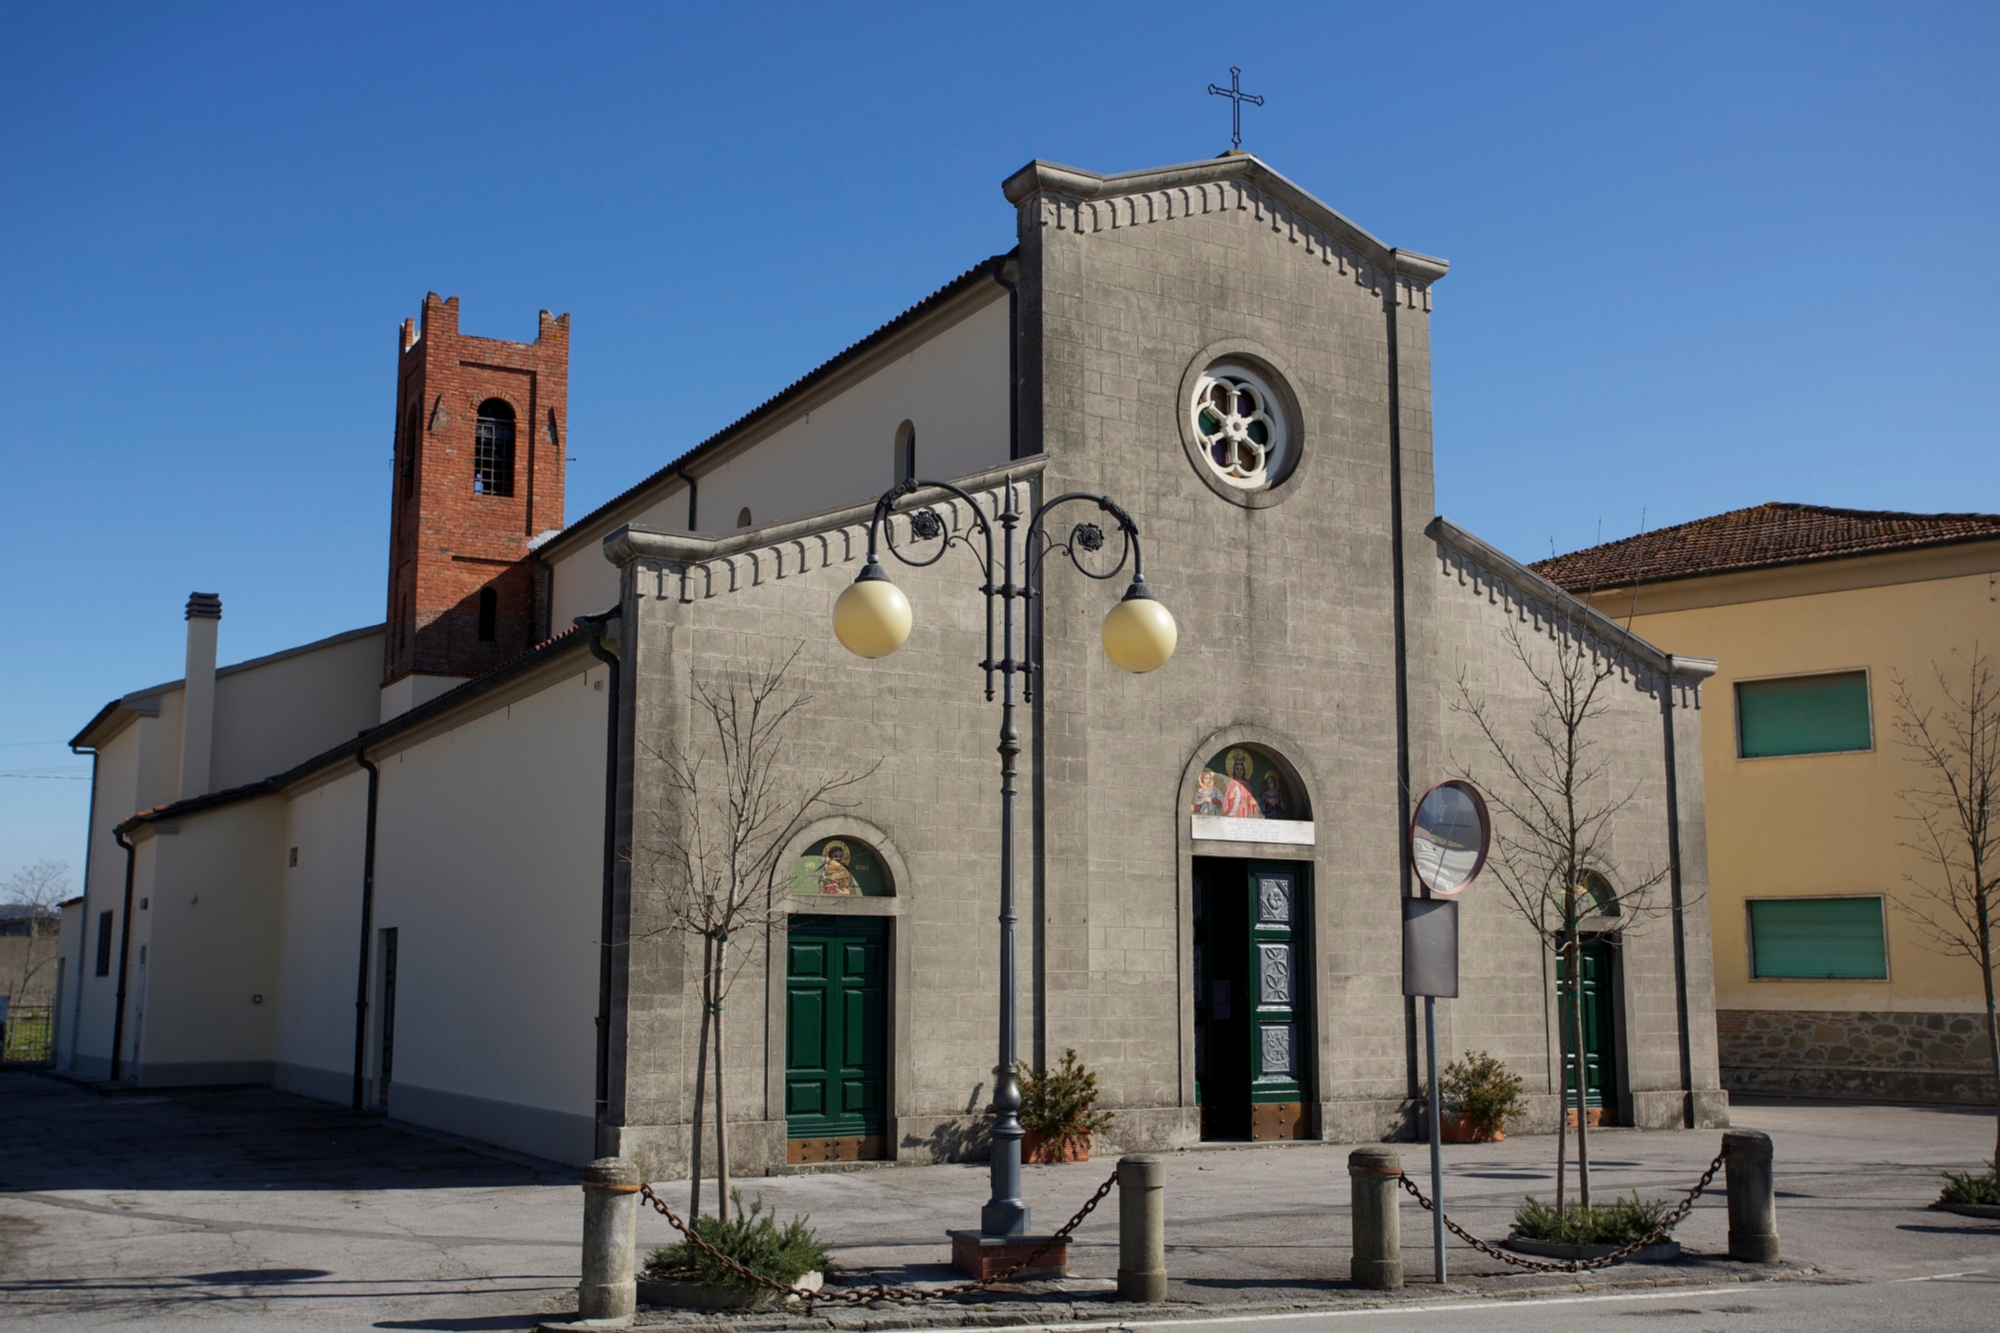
1860, 1055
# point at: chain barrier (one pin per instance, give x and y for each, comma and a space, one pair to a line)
1658, 1233
881, 1291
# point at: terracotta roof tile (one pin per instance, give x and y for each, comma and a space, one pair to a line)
1760, 537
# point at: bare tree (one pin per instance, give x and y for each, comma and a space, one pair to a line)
1557, 805
739, 796
1956, 747
39, 889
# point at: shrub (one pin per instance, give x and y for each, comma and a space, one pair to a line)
1969, 1188
1620, 1222
1061, 1104
1479, 1089
752, 1238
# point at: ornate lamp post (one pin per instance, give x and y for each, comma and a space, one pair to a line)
872, 619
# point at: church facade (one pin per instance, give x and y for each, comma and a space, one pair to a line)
455, 915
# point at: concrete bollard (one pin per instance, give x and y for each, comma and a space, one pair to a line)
1375, 1181
1753, 1202
610, 1237
1142, 1228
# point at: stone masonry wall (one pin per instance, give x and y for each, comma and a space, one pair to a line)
1856, 1054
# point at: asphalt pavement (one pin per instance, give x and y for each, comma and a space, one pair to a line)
249, 1209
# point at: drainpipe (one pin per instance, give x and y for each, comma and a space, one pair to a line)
693, 494
1674, 889
595, 626
1013, 358
367, 929
124, 956
1393, 285
83, 927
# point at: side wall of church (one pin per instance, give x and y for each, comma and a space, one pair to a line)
319, 937
207, 994
488, 866
1286, 614
1506, 1000
837, 448
282, 712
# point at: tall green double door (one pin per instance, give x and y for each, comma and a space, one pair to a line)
836, 1038
1600, 1031
1252, 1010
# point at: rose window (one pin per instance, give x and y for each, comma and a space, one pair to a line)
1240, 424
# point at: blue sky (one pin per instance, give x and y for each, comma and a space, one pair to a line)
1703, 256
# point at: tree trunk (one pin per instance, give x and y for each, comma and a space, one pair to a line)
1992, 1023
700, 1082
1582, 1107
721, 1105
1563, 1091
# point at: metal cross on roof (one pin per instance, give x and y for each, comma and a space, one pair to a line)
1237, 97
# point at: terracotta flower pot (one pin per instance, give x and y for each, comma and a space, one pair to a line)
1037, 1147
1455, 1128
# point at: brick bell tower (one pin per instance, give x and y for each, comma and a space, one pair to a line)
481, 426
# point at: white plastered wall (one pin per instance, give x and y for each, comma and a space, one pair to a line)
319, 935
488, 865
952, 387
278, 713
210, 997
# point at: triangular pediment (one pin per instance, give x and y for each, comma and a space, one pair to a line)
1047, 194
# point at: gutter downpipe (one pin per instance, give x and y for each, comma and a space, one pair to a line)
595, 625
693, 495
1674, 889
367, 931
1399, 616
1013, 358
83, 924
124, 956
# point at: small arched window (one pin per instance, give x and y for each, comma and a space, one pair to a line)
493, 449
1596, 896
906, 452
743, 517
489, 614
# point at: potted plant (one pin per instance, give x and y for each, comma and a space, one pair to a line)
1477, 1094
1059, 1111
687, 1276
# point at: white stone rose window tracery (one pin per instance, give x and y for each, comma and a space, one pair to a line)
1240, 421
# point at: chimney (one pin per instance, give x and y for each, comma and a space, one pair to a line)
204, 616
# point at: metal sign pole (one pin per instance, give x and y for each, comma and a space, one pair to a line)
1450, 834
1437, 1148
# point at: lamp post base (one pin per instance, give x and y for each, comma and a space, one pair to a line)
980, 1256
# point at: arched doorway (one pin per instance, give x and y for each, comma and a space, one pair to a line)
1253, 1036
837, 965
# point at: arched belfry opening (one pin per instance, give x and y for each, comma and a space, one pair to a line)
1250, 824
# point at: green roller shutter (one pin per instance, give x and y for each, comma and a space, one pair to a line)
1803, 715
1820, 938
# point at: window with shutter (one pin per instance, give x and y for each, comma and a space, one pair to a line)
1825, 714
1818, 939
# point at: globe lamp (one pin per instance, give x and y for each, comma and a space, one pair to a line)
872, 618
1139, 634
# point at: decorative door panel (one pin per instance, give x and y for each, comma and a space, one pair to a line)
836, 1039
1600, 1061
1280, 929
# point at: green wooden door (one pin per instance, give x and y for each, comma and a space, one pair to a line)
1277, 990
836, 992
1600, 1061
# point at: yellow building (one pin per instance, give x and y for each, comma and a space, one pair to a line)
1825, 983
